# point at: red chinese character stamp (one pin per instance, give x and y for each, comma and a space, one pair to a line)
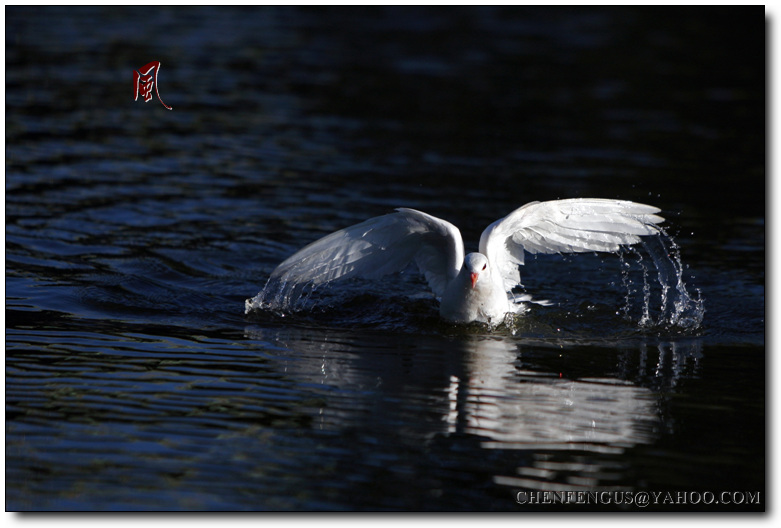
145, 78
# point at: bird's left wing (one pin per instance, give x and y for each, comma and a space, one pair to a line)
377, 247
564, 226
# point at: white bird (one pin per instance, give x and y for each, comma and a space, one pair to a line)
477, 287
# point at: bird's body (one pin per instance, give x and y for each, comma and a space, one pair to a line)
478, 286
473, 295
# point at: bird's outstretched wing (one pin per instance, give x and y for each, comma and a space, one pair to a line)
564, 226
377, 247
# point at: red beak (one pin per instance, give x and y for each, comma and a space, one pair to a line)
474, 279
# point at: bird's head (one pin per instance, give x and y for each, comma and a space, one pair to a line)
476, 264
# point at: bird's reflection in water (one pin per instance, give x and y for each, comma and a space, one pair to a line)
480, 394
496, 397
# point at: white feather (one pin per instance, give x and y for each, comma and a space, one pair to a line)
564, 226
377, 247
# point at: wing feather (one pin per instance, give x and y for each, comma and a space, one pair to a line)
377, 247
564, 226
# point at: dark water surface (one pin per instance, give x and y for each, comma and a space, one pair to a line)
134, 234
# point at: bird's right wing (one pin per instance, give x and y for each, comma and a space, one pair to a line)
564, 226
377, 247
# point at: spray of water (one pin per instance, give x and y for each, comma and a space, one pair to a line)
282, 297
666, 302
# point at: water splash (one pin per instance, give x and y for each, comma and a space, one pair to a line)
282, 297
666, 302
